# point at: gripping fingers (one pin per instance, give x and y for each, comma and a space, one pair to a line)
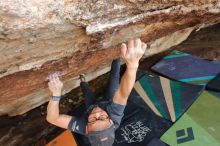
130, 48
134, 49
54, 80
123, 50
49, 84
137, 43
143, 46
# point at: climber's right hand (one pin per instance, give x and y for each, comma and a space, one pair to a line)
55, 85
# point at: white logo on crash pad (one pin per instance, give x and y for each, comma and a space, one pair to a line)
134, 132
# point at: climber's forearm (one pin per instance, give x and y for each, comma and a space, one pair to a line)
53, 110
54, 117
125, 87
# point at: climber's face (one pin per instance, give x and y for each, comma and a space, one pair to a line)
98, 120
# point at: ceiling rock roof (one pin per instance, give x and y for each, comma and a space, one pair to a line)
71, 37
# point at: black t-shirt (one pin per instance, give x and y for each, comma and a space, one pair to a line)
115, 112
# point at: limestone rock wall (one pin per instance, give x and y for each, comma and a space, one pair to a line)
71, 37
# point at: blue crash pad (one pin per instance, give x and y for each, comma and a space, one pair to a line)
187, 68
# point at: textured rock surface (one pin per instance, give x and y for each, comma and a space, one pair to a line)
40, 37
31, 128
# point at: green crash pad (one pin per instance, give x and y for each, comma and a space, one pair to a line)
168, 99
199, 126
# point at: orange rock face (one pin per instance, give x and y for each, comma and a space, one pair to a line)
40, 37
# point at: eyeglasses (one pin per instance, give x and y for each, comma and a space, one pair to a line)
94, 119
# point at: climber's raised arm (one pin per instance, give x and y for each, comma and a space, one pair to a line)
53, 114
131, 54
